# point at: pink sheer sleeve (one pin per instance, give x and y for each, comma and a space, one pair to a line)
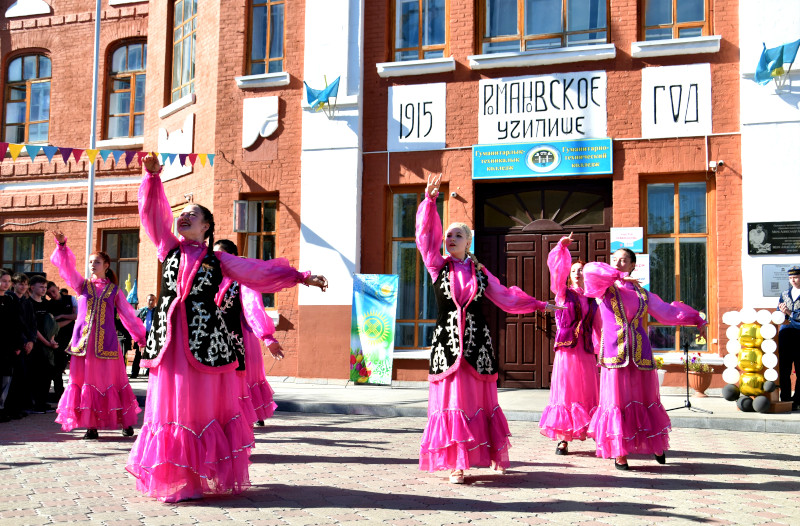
597, 277
511, 299
559, 261
429, 236
273, 275
64, 260
256, 316
129, 319
156, 214
675, 313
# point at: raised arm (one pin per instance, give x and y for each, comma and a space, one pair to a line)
429, 229
272, 275
675, 313
511, 299
154, 210
64, 260
129, 319
597, 277
559, 261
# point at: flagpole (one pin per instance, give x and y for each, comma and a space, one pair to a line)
92, 143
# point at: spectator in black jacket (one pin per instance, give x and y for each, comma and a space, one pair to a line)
19, 395
41, 361
10, 342
64, 308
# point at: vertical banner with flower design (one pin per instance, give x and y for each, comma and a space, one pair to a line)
372, 328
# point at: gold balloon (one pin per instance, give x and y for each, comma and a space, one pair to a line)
750, 360
750, 384
750, 335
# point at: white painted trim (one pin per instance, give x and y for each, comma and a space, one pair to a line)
120, 143
178, 105
415, 354
674, 358
562, 55
112, 3
264, 80
676, 46
28, 8
71, 183
426, 66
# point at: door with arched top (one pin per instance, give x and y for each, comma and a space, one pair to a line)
516, 226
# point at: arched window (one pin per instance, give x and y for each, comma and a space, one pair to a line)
27, 107
125, 109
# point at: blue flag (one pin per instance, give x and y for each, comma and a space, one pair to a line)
771, 63
133, 297
317, 98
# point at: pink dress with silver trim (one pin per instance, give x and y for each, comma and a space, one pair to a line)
466, 426
99, 395
575, 381
195, 439
629, 418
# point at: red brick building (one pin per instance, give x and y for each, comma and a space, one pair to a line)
338, 195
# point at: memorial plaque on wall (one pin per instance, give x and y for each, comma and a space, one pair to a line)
781, 237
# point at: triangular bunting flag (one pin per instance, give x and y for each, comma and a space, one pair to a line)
192, 158
129, 157
65, 153
140, 157
3, 150
14, 149
76, 154
182, 158
171, 157
49, 151
104, 154
211, 158
91, 154
33, 150
202, 158
117, 155
161, 157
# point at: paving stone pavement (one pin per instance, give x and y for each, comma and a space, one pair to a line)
348, 469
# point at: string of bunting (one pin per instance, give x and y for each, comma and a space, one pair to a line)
76, 154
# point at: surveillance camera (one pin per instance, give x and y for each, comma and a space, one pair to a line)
453, 194
720, 163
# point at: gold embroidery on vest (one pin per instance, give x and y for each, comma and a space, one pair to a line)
101, 332
80, 349
619, 317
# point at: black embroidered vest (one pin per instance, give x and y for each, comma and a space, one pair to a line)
477, 348
231, 312
209, 338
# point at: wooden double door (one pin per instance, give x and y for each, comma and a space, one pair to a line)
524, 342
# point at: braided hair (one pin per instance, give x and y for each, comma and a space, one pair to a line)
208, 217
468, 235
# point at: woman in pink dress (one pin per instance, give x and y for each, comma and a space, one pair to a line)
575, 381
194, 439
630, 418
245, 310
99, 395
466, 427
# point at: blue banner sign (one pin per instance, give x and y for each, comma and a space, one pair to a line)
545, 159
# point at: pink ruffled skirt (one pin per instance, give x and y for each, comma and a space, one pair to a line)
573, 395
630, 418
466, 427
257, 395
194, 439
98, 396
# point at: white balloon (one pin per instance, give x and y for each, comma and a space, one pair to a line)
733, 347
770, 360
763, 317
771, 375
748, 315
769, 346
732, 318
768, 331
778, 317
732, 332
730, 360
731, 376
